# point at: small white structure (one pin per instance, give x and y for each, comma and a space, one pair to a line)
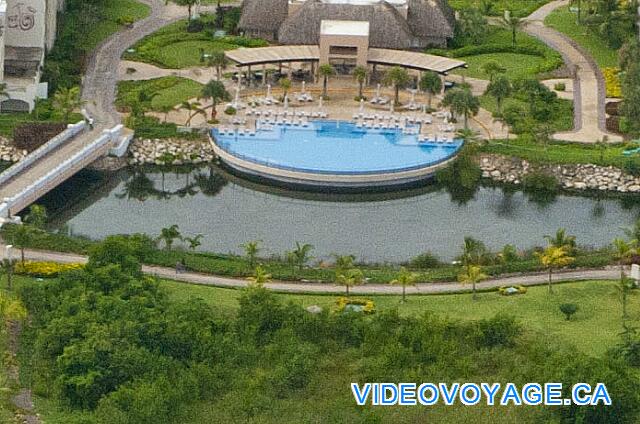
27, 32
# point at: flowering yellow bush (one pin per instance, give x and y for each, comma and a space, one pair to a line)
364, 305
612, 81
44, 269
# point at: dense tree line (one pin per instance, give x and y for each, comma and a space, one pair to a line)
108, 339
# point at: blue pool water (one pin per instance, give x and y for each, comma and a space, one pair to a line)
336, 147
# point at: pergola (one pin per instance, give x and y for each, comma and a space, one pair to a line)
248, 57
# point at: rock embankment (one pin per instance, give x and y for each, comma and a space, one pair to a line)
506, 169
8, 153
169, 152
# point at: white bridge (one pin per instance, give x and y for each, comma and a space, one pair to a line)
54, 162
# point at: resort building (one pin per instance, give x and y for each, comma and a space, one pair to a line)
394, 24
27, 31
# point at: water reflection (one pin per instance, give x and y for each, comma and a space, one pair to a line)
375, 226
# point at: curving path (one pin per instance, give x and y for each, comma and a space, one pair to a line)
610, 273
589, 86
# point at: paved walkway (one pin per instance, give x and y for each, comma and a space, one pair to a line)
611, 273
589, 86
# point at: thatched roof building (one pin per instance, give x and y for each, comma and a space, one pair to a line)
395, 24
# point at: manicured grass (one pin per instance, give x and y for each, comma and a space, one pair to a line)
113, 12
8, 121
166, 91
517, 7
558, 153
562, 116
566, 22
593, 329
516, 65
174, 48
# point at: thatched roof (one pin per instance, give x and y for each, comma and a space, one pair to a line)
431, 18
263, 15
388, 28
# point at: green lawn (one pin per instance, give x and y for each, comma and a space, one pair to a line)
566, 22
516, 65
174, 48
558, 153
517, 7
112, 13
166, 91
593, 330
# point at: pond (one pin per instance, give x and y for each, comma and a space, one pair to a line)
390, 227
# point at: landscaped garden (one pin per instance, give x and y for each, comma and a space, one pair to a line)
179, 45
161, 93
519, 8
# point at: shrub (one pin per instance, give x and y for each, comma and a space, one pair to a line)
539, 182
560, 86
632, 166
568, 309
44, 269
500, 330
195, 25
125, 20
368, 306
230, 111
612, 82
511, 290
425, 260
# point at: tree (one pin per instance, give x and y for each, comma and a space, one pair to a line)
343, 263
472, 26
219, 61
188, 3
472, 275
194, 242
568, 309
500, 89
554, 257
193, 109
285, 84
67, 100
21, 238
473, 252
260, 277
493, 68
350, 278
37, 216
326, 70
624, 250
216, 92
170, 234
562, 239
462, 102
398, 78
360, 74
300, 255
404, 279
431, 84
513, 24
251, 250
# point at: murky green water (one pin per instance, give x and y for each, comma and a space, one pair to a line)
383, 227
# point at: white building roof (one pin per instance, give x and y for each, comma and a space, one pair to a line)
358, 28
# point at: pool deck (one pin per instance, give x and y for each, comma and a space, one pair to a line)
310, 180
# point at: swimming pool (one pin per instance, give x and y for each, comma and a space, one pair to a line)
336, 147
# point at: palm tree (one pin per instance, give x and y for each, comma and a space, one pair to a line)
285, 84
431, 84
360, 75
499, 88
493, 68
473, 252
194, 242
300, 255
398, 78
562, 239
251, 250
325, 71
260, 277
623, 251
67, 100
37, 216
219, 61
468, 135
512, 23
169, 235
21, 239
215, 91
472, 275
350, 278
404, 279
193, 109
462, 102
343, 263
554, 257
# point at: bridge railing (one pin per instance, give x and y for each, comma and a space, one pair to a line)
42, 185
41, 151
